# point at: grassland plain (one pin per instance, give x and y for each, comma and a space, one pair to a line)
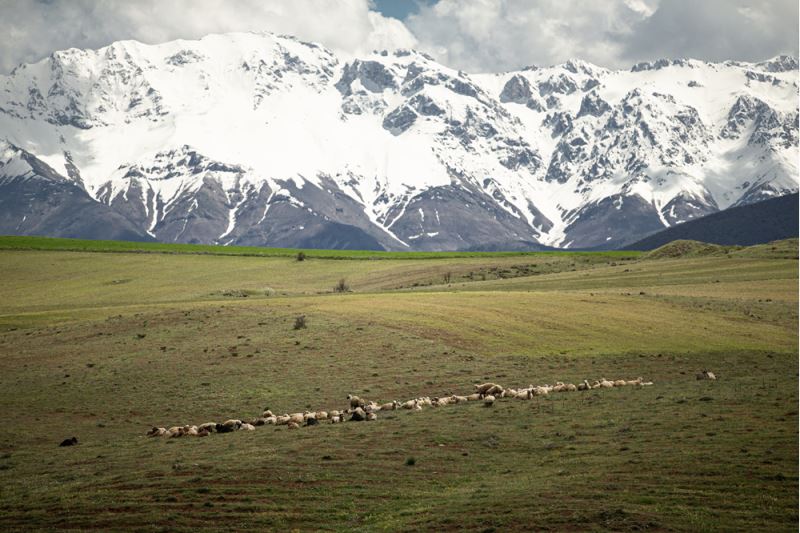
104, 345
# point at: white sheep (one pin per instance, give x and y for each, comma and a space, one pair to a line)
705, 374
208, 426
391, 406
410, 404
439, 402
488, 400
248, 427
371, 416
292, 425
156, 432
267, 414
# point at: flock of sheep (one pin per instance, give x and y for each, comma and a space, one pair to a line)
361, 410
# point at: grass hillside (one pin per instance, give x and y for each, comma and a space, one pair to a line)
103, 346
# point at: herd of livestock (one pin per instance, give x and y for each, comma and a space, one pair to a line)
359, 409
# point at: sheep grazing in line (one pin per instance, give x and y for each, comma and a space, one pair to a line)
410, 404
156, 432
440, 402
229, 426
355, 401
488, 388
361, 410
174, 432
705, 374
391, 406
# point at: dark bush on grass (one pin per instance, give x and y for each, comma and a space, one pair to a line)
341, 286
300, 322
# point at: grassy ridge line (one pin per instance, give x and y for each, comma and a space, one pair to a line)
80, 245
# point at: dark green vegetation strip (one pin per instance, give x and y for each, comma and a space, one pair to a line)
78, 245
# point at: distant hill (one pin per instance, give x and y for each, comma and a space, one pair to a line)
757, 223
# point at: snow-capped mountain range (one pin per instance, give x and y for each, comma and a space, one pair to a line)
258, 139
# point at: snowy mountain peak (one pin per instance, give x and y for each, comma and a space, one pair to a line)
254, 138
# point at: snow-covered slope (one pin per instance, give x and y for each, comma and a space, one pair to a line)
263, 139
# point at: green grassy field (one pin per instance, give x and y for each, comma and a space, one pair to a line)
103, 346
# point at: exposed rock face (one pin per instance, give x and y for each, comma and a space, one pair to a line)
264, 140
36, 200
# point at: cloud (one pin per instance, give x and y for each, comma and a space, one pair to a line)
716, 30
496, 35
473, 35
32, 29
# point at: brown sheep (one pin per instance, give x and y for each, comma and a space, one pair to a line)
355, 401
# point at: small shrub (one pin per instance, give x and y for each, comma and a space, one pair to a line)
300, 322
411, 461
341, 286
301, 256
